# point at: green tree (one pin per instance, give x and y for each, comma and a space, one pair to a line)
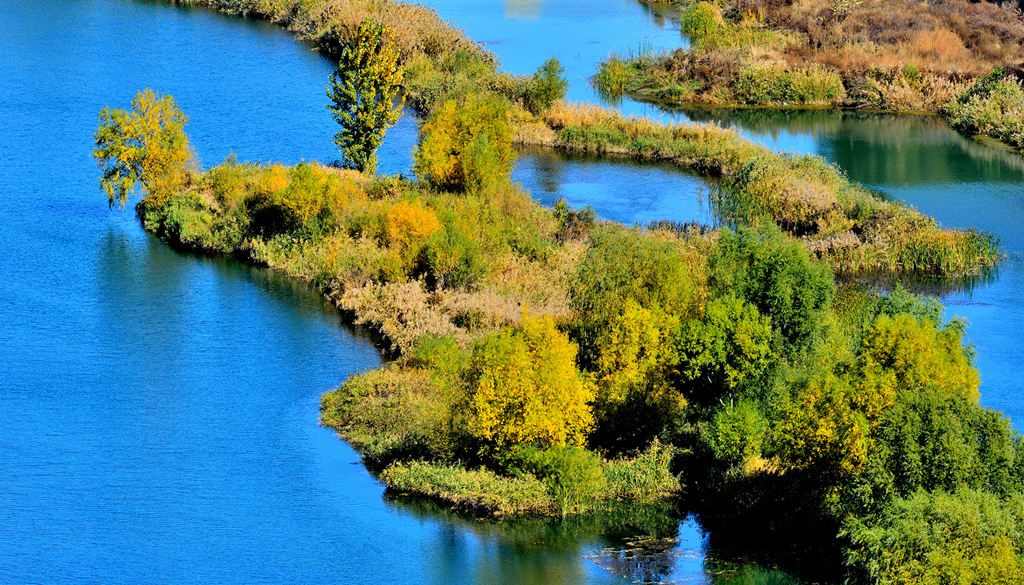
620, 265
143, 148
779, 277
364, 92
720, 354
549, 85
466, 146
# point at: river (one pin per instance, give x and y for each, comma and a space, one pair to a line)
158, 410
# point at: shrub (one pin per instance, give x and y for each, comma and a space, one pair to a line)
466, 146
524, 388
573, 224
408, 224
548, 86
188, 221
477, 490
727, 350
622, 265
738, 432
634, 400
701, 18
646, 477
294, 201
453, 259
770, 85
932, 440
574, 476
966, 537
779, 277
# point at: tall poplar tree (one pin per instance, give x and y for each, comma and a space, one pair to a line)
364, 93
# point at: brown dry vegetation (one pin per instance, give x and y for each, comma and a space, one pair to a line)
894, 55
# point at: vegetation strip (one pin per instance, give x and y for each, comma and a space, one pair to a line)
550, 363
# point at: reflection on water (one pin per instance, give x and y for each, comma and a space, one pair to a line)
523, 8
877, 149
627, 543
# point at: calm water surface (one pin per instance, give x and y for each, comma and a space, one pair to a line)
157, 410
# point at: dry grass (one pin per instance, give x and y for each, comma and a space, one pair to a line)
899, 55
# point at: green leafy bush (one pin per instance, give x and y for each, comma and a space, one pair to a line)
769, 85
574, 476
965, 537
738, 432
466, 146
701, 18
779, 277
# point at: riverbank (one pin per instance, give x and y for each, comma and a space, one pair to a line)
865, 55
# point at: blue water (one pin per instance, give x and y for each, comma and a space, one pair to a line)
158, 411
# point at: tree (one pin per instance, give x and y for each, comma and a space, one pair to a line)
466, 146
145, 148
779, 277
363, 91
524, 389
549, 85
719, 355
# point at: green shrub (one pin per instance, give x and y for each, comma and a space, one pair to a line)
967, 537
776, 86
547, 87
452, 259
738, 432
466, 146
188, 221
701, 18
993, 107
573, 224
647, 477
622, 265
574, 476
779, 277
730, 348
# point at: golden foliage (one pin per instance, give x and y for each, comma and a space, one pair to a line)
407, 224
524, 388
144, 147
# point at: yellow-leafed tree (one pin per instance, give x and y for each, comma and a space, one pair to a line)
524, 389
143, 148
364, 93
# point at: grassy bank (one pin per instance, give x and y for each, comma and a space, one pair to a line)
841, 222
885, 56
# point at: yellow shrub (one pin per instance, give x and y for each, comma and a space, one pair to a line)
407, 224
524, 389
